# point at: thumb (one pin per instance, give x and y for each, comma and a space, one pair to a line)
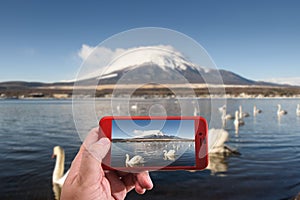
90, 168
99, 149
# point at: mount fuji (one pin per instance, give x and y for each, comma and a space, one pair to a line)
153, 134
152, 64
163, 64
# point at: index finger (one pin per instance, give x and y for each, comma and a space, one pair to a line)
140, 180
144, 180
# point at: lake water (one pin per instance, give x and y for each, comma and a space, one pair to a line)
268, 167
152, 153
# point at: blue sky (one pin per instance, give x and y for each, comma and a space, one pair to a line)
40, 40
126, 128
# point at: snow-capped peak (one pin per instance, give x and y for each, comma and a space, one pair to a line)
144, 133
105, 63
162, 56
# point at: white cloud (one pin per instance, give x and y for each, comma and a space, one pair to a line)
95, 60
85, 51
286, 80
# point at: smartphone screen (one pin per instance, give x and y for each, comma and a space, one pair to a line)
152, 143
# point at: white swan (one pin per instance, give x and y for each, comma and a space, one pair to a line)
119, 108
222, 108
280, 112
256, 110
225, 117
169, 155
134, 161
242, 114
216, 142
298, 110
196, 113
134, 107
237, 122
196, 108
57, 176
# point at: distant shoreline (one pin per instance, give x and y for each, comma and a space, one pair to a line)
138, 98
152, 140
152, 92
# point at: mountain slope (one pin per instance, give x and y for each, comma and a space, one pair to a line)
151, 65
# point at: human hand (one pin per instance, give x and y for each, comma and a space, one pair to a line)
87, 180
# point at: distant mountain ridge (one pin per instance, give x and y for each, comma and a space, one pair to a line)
159, 137
150, 65
229, 78
25, 84
152, 138
155, 69
152, 134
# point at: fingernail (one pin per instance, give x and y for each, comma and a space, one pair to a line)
104, 141
143, 191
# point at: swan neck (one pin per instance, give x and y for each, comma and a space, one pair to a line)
224, 112
59, 166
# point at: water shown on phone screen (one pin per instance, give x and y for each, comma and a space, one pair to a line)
152, 143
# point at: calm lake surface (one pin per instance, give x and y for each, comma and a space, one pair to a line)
152, 153
268, 167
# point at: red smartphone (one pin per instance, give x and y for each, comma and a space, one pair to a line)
155, 143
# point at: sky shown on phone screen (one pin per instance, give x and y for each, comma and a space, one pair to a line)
139, 128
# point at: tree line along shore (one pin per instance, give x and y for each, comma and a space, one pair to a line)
148, 92
152, 140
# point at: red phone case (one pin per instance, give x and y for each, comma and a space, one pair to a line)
201, 149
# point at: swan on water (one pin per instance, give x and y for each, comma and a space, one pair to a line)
58, 176
225, 117
237, 122
134, 161
222, 108
196, 113
256, 110
134, 107
119, 108
196, 108
169, 155
216, 142
280, 112
217, 150
298, 110
242, 114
